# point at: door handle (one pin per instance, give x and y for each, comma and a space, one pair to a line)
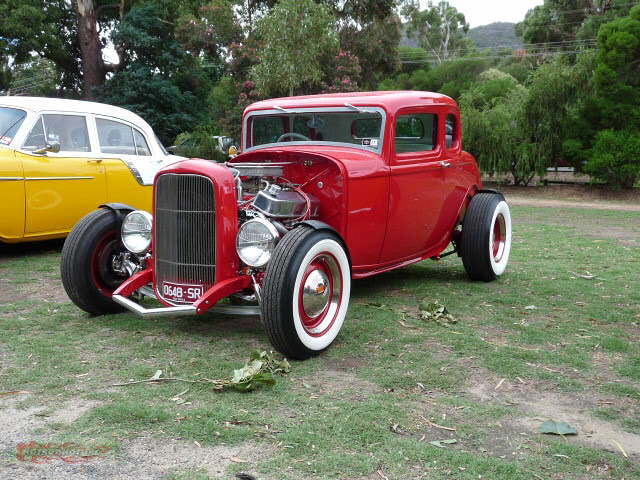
445, 164
94, 160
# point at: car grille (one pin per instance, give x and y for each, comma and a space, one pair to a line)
184, 248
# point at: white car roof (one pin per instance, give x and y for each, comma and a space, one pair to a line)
38, 104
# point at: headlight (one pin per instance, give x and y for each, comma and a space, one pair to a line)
256, 240
136, 231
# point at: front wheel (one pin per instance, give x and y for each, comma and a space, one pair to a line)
486, 237
86, 266
306, 292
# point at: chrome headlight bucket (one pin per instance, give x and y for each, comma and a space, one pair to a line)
255, 242
136, 231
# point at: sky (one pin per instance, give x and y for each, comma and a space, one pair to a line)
482, 12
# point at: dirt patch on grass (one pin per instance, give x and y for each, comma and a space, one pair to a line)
141, 458
333, 382
550, 203
624, 232
148, 458
582, 194
47, 289
536, 404
8, 292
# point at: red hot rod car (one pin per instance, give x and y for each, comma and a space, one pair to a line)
326, 189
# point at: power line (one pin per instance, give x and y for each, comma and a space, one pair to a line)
587, 10
532, 48
523, 55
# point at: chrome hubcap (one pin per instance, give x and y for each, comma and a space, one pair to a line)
315, 294
499, 238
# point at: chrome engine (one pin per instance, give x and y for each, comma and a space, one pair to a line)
271, 195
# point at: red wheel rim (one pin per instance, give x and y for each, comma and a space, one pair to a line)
320, 294
102, 274
499, 238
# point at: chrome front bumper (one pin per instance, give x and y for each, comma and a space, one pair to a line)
181, 310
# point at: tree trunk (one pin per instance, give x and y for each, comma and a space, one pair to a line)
93, 68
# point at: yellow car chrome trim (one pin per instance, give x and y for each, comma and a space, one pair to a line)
10, 179
58, 178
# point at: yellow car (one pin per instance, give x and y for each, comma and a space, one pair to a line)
61, 159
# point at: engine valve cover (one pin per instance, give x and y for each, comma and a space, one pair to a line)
278, 203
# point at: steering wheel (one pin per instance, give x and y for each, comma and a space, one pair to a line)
292, 134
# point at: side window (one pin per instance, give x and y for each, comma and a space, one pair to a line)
36, 138
452, 131
115, 137
416, 132
142, 148
70, 131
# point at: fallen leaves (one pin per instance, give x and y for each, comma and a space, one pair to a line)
258, 370
557, 428
443, 443
436, 312
586, 275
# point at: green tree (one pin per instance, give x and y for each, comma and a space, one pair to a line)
47, 29
615, 158
554, 90
499, 140
162, 82
568, 25
37, 78
617, 74
440, 29
297, 37
370, 30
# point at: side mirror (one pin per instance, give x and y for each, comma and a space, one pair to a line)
53, 147
233, 151
172, 149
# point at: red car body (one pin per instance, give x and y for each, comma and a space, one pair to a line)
391, 209
327, 189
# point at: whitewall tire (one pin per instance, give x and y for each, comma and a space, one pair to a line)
306, 292
485, 244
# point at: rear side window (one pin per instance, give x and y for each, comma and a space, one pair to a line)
416, 132
451, 135
70, 131
115, 137
142, 149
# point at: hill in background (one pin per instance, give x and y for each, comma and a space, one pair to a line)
499, 34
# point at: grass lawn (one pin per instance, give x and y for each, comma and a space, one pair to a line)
556, 338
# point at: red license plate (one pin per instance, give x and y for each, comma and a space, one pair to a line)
181, 293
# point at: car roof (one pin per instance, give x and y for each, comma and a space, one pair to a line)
39, 104
389, 100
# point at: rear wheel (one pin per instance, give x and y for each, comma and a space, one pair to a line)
486, 237
306, 292
86, 267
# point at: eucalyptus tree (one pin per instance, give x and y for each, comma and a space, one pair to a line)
297, 38
440, 29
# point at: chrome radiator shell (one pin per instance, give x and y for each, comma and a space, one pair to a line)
184, 247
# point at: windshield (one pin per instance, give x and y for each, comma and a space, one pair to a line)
362, 128
10, 121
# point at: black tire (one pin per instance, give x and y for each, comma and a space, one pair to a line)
301, 253
85, 270
486, 237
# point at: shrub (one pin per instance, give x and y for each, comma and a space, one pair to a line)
615, 158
